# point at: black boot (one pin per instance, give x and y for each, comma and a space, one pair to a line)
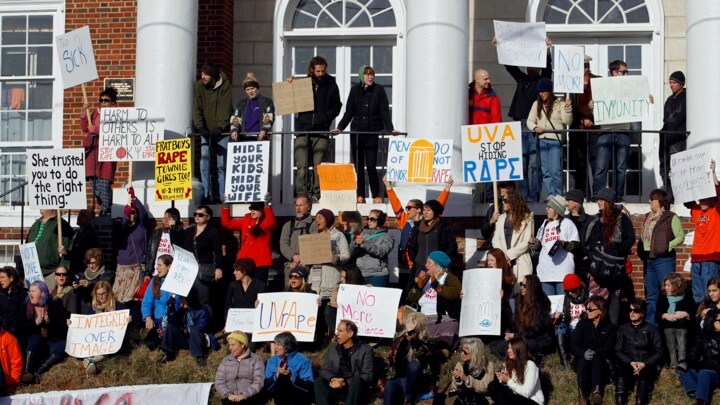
562, 342
51, 361
620, 394
28, 377
642, 395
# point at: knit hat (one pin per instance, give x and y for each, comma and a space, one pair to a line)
300, 271
239, 337
587, 58
440, 258
558, 203
257, 206
361, 74
328, 215
571, 282
211, 71
250, 81
575, 195
606, 194
678, 76
435, 206
544, 84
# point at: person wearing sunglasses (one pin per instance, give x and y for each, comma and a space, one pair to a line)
204, 241
514, 228
473, 373
63, 291
701, 374
100, 174
372, 248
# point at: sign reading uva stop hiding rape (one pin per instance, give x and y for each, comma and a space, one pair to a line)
96, 335
492, 152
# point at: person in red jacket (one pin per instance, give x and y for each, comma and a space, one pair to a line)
483, 102
11, 359
256, 229
100, 174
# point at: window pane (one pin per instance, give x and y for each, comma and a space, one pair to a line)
615, 53
328, 52
382, 59
40, 95
359, 56
382, 13
633, 55
39, 126
363, 20
13, 30
40, 30
13, 62
638, 16
303, 54
386, 82
331, 17
12, 126
40, 61
301, 20
14, 96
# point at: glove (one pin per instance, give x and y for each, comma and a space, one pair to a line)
268, 197
128, 209
217, 131
589, 354
205, 133
131, 191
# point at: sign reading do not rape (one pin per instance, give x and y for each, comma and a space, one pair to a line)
419, 160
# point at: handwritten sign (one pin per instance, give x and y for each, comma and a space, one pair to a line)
491, 152
56, 178
248, 171
76, 57
31, 263
569, 69
521, 44
285, 312
556, 303
338, 186
691, 176
480, 310
129, 134
173, 170
96, 335
369, 308
182, 274
293, 97
240, 319
419, 160
315, 248
620, 99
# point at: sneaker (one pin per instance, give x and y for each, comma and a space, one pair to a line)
377, 200
361, 200
201, 361
91, 369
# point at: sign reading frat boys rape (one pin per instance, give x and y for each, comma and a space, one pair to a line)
129, 134
419, 160
96, 335
492, 152
285, 312
173, 170
248, 164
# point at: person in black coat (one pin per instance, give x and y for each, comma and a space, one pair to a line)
674, 119
84, 239
203, 241
243, 292
12, 301
429, 234
701, 378
173, 226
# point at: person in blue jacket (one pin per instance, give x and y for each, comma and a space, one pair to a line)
288, 374
154, 306
188, 328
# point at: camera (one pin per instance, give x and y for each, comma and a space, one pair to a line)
554, 248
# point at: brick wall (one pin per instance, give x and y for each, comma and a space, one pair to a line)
215, 34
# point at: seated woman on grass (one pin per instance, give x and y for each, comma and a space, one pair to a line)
154, 305
103, 300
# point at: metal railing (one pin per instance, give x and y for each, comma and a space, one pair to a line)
22, 206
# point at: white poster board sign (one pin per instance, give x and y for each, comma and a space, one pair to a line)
370, 308
620, 99
31, 263
76, 57
419, 160
240, 319
248, 166
182, 274
568, 72
556, 303
96, 335
691, 176
480, 310
130, 133
56, 179
492, 152
285, 312
521, 44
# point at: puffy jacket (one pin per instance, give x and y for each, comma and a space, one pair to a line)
361, 361
300, 369
240, 376
639, 343
705, 353
372, 255
254, 238
212, 106
327, 106
11, 359
156, 307
368, 108
483, 108
267, 114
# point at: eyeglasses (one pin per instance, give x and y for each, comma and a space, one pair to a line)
61, 274
465, 352
409, 207
523, 285
295, 276
636, 311
590, 310
200, 214
372, 219
105, 100
101, 294
622, 71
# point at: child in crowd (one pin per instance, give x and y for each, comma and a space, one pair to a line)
673, 316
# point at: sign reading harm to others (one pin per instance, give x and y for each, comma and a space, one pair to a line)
492, 152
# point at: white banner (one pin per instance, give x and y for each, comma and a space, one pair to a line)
492, 152
691, 176
285, 312
419, 160
129, 134
31, 263
197, 393
480, 310
76, 57
620, 99
370, 308
56, 179
96, 335
183, 271
240, 319
521, 44
569, 63
248, 165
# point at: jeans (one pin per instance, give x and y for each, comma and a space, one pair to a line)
703, 382
551, 166
553, 288
102, 190
174, 340
218, 145
405, 387
655, 272
606, 143
702, 273
529, 186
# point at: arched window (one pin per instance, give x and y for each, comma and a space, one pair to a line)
343, 14
596, 12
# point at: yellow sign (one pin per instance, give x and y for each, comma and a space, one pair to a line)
173, 170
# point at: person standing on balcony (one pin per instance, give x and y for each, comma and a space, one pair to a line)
253, 116
674, 116
582, 119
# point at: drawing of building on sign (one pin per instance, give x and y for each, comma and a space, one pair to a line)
420, 165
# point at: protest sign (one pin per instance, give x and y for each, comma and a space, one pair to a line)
76, 57
368, 308
31, 263
173, 170
691, 176
315, 248
419, 160
56, 179
480, 307
285, 312
620, 99
129, 134
240, 319
293, 97
182, 274
569, 63
338, 186
492, 152
96, 335
246, 179
197, 393
521, 44
556, 303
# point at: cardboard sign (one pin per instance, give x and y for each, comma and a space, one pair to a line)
56, 179
96, 335
182, 274
419, 160
173, 170
31, 263
492, 152
620, 99
240, 319
369, 308
569, 63
521, 44
338, 186
76, 57
285, 312
246, 179
691, 176
480, 307
315, 248
130, 134
293, 97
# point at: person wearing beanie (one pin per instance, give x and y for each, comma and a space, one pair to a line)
241, 374
297, 280
573, 308
371, 249
131, 242
369, 110
430, 233
674, 121
253, 116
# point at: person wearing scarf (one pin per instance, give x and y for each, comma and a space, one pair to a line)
674, 317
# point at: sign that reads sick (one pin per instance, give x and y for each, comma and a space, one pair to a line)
285, 312
173, 170
692, 179
480, 307
246, 179
419, 160
569, 64
368, 308
130, 134
492, 152
56, 179
182, 274
76, 57
96, 335
31, 263
620, 99
521, 44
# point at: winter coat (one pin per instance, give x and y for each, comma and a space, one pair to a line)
47, 243
361, 360
705, 353
519, 250
368, 109
254, 239
448, 296
289, 244
440, 237
11, 360
12, 308
687, 304
156, 308
639, 343
91, 143
484, 107
600, 339
240, 376
326, 96
324, 277
206, 246
675, 114
267, 114
84, 239
177, 236
237, 297
526, 91
56, 326
372, 255
559, 117
132, 240
300, 367
477, 379
212, 107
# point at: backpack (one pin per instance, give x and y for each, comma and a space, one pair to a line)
606, 269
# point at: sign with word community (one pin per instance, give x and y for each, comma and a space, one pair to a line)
96, 335
182, 274
315, 248
248, 168
240, 319
56, 179
692, 179
285, 312
369, 308
521, 44
129, 134
568, 73
338, 186
293, 97
31, 263
419, 160
480, 307
76, 57
173, 169
492, 152
620, 99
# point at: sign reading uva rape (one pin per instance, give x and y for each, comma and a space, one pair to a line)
480, 308
56, 179
338, 186
31, 263
492, 152
182, 274
521, 44
173, 170
620, 99
76, 57
691, 176
96, 335
129, 134
285, 312
368, 308
248, 164
569, 62
419, 160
